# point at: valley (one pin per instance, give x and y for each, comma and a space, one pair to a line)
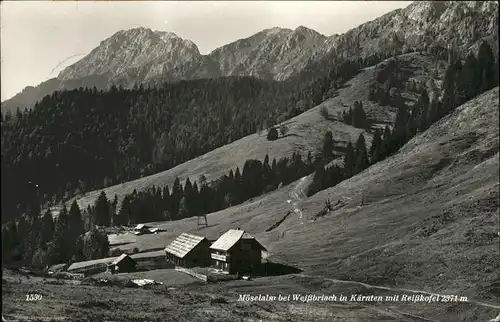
405, 199
349, 177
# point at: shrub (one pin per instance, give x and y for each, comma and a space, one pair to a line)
272, 134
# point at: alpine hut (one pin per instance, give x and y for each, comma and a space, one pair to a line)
141, 229
189, 251
236, 251
122, 264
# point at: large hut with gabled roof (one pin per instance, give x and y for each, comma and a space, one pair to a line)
236, 251
189, 250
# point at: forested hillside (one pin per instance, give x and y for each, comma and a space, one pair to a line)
85, 139
464, 79
73, 141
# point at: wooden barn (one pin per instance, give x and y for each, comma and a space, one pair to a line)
189, 251
237, 252
91, 267
122, 264
141, 229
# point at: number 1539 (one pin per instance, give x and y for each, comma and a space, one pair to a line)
33, 297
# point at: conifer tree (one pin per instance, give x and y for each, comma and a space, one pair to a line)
10, 242
238, 189
165, 197
319, 179
205, 196
183, 208
102, 211
469, 80
113, 207
266, 170
486, 60
386, 143
349, 161
176, 197
449, 101
399, 134
61, 247
359, 119
424, 112
124, 214
435, 112
195, 205
188, 190
95, 245
75, 219
47, 229
376, 147
362, 161
272, 134
309, 161
32, 239
328, 145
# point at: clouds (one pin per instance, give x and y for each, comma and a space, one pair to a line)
36, 36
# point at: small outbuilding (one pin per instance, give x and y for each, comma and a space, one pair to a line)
141, 229
154, 230
57, 268
189, 251
236, 251
122, 264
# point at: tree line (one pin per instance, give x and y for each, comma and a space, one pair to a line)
200, 197
74, 236
85, 139
40, 241
356, 116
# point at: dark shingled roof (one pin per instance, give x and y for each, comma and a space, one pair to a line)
183, 244
80, 265
120, 258
231, 237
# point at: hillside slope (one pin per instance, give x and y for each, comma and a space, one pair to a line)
306, 132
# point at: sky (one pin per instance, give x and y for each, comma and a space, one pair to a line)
40, 38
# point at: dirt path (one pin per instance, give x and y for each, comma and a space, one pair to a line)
395, 289
297, 194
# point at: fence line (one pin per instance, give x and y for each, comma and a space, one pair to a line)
199, 276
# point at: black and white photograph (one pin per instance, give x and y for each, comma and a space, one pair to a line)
250, 161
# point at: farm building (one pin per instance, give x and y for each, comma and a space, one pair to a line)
91, 267
237, 252
154, 230
141, 229
189, 251
122, 264
57, 268
152, 260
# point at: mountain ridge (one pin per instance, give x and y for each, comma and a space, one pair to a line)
143, 56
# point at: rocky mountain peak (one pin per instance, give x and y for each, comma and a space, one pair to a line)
132, 48
275, 30
302, 30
